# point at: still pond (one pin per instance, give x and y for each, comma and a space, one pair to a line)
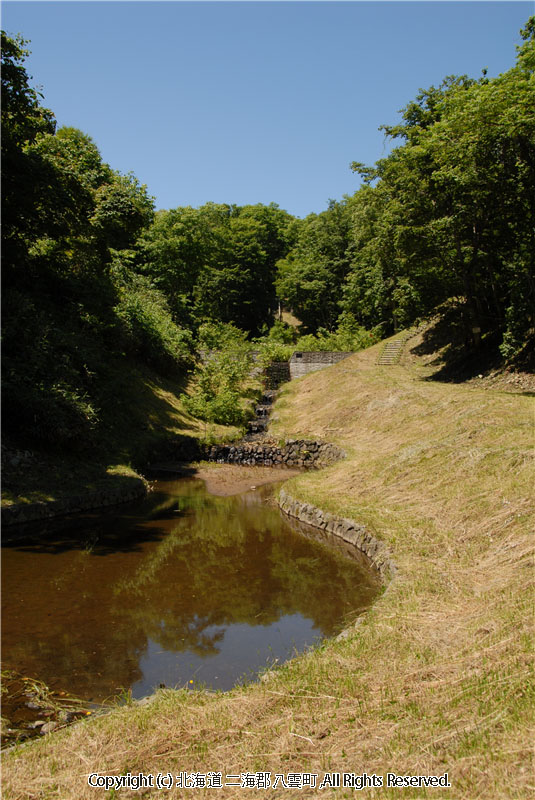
184, 589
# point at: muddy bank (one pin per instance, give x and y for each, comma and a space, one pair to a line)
229, 479
225, 480
31, 709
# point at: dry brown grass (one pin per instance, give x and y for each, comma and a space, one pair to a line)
437, 677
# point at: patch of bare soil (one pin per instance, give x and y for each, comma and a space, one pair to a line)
229, 479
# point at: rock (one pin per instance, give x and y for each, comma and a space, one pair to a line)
346, 529
48, 727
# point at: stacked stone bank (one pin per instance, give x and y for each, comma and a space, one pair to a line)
347, 529
304, 453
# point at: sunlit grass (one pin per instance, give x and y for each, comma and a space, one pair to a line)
437, 676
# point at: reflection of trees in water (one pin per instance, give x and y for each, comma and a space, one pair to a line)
190, 635
234, 561
58, 624
194, 566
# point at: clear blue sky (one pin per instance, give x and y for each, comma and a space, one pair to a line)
251, 102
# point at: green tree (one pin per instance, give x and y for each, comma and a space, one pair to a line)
452, 208
122, 210
72, 301
218, 261
23, 119
309, 280
173, 252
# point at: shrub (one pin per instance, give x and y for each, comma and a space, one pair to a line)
348, 337
148, 330
220, 379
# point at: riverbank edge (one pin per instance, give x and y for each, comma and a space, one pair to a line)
435, 649
21, 513
348, 530
306, 454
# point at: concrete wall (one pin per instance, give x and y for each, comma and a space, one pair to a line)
303, 363
276, 373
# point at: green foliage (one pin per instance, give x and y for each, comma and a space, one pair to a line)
217, 262
173, 251
519, 323
49, 398
222, 336
147, 328
310, 278
347, 337
23, 119
73, 303
220, 380
222, 406
277, 344
270, 350
75, 152
282, 332
122, 210
452, 211
92, 276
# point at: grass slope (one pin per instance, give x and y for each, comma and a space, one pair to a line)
436, 679
142, 412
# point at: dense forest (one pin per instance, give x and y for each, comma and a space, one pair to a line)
94, 278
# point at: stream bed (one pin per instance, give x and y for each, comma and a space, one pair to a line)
182, 589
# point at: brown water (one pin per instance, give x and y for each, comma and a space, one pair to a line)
182, 589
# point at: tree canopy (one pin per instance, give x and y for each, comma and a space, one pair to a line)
91, 274
448, 213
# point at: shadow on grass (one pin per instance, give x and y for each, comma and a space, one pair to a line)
140, 420
455, 359
140, 413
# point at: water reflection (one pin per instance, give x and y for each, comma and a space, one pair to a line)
185, 586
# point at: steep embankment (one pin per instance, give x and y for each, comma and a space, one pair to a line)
142, 418
435, 680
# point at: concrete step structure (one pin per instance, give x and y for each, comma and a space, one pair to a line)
391, 352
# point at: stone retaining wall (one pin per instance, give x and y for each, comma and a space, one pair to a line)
276, 373
295, 453
346, 529
29, 512
305, 362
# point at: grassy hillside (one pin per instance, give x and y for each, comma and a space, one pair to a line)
141, 413
436, 679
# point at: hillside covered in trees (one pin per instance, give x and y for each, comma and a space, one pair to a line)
95, 281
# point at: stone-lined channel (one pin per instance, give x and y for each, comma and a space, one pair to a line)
183, 588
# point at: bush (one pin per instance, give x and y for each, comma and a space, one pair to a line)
222, 336
271, 350
283, 333
148, 330
219, 382
348, 337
